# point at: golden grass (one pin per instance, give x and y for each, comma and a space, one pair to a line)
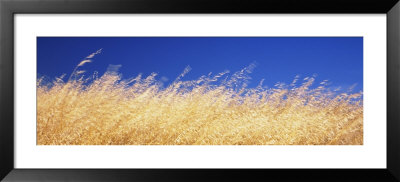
209, 111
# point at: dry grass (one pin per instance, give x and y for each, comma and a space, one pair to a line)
213, 110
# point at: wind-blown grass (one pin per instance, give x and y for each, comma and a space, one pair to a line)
212, 110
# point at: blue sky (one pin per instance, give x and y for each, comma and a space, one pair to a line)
278, 59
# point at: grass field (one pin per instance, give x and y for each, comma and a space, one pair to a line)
212, 110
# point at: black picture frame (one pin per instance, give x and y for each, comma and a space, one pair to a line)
8, 8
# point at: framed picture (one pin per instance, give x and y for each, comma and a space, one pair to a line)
200, 91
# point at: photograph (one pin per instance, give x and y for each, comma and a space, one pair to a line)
199, 91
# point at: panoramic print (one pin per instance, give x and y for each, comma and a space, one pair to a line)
199, 91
